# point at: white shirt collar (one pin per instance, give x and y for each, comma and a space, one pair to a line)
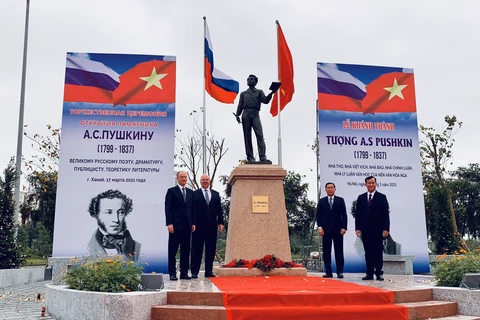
373, 193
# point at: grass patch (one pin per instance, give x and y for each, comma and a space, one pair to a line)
36, 261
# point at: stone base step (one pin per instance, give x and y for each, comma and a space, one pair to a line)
412, 295
187, 312
430, 309
209, 305
195, 298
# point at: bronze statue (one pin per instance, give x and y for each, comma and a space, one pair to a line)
249, 107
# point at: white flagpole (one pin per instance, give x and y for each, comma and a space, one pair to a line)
317, 152
204, 135
278, 105
18, 158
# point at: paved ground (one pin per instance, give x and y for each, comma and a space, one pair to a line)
20, 302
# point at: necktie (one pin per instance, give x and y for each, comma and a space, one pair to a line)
369, 199
331, 203
206, 197
113, 242
184, 194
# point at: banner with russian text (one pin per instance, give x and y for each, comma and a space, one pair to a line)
116, 160
368, 126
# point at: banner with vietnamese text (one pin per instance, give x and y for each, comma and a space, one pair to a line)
367, 124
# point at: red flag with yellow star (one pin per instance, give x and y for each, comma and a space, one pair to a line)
285, 71
391, 92
147, 82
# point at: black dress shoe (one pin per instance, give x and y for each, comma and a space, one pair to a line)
328, 275
367, 277
194, 276
210, 275
380, 278
185, 277
340, 275
173, 278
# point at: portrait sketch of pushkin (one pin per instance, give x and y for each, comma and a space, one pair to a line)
112, 236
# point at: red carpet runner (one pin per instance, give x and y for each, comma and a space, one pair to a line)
277, 297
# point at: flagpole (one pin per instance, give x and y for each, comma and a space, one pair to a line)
18, 158
278, 104
204, 136
317, 152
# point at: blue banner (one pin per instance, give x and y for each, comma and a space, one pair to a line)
116, 163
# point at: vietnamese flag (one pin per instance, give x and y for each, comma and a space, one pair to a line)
391, 92
285, 72
147, 82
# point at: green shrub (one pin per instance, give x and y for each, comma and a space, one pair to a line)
450, 272
104, 274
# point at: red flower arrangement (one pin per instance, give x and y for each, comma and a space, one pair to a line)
265, 264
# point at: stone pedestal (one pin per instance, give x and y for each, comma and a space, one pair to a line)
254, 272
253, 235
60, 266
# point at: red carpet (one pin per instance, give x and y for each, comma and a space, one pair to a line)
291, 298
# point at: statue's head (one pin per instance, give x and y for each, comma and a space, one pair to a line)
252, 80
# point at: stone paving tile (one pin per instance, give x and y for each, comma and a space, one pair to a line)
20, 302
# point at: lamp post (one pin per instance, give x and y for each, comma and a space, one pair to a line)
18, 158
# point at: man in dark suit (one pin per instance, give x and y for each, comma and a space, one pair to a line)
372, 224
332, 225
209, 217
180, 221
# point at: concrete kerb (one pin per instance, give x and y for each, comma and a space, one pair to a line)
69, 304
12, 277
467, 300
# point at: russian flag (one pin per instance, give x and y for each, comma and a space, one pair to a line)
219, 86
339, 90
89, 81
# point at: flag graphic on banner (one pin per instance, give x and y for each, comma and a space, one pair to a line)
89, 81
391, 92
147, 82
285, 71
339, 90
219, 85
387, 93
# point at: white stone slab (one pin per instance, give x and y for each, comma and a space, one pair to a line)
67, 304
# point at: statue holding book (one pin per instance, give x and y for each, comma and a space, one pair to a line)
249, 108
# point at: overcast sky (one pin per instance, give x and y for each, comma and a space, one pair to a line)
439, 39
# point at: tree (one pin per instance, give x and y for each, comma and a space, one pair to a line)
42, 197
9, 252
36, 238
300, 210
436, 154
189, 154
226, 200
465, 188
47, 150
439, 220
39, 206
